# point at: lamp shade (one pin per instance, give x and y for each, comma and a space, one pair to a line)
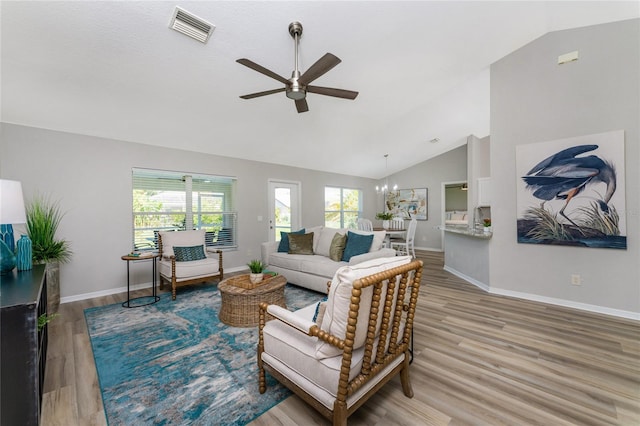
11, 202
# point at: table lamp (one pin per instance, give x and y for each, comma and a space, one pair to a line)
11, 211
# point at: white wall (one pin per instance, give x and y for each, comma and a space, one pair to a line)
533, 100
91, 177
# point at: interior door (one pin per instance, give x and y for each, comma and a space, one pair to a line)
284, 208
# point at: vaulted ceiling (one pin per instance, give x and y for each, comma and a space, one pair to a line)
114, 69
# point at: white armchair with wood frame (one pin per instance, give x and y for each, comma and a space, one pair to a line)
185, 259
340, 358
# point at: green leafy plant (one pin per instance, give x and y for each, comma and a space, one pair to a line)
255, 266
43, 219
44, 319
384, 216
486, 222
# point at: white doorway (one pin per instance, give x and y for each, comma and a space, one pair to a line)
284, 207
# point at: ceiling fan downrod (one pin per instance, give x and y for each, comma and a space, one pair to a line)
295, 91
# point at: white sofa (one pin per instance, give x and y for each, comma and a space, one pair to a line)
314, 271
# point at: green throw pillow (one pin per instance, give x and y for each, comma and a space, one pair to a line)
336, 249
188, 254
356, 244
301, 243
283, 247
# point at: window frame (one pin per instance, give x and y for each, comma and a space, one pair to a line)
341, 211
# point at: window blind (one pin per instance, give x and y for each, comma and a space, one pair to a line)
167, 200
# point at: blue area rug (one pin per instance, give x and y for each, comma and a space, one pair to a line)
175, 363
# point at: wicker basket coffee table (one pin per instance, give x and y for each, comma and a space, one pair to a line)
241, 298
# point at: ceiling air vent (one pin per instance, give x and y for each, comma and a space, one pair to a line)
191, 25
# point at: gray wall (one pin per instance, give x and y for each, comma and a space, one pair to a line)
533, 100
448, 167
92, 179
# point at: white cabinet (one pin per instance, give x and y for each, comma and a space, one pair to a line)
485, 191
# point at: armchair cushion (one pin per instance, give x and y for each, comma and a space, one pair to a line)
188, 254
190, 270
181, 239
339, 298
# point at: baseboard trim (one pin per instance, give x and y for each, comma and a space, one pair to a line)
549, 300
473, 281
428, 249
568, 304
123, 289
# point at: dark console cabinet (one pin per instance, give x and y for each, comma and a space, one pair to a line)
23, 349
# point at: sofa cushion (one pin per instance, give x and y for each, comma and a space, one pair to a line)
336, 250
283, 247
317, 231
325, 238
356, 244
378, 238
339, 300
301, 243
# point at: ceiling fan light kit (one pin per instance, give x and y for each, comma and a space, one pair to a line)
297, 86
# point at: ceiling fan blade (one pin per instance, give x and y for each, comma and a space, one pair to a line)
329, 91
321, 66
301, 105
265, 93
248, 63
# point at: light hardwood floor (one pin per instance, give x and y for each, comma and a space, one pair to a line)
479, 359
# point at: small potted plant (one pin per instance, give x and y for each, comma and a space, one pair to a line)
256, 267
385, 217
487, 225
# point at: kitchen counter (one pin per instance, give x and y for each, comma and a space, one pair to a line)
469, 232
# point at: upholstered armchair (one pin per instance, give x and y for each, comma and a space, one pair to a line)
185, 259
336, 354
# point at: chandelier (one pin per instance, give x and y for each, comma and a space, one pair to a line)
384, 188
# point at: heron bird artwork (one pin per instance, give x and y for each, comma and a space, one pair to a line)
564, 175
575, 188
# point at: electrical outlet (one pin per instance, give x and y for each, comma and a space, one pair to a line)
576, 279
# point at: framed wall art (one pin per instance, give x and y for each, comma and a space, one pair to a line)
408, 203
572, 192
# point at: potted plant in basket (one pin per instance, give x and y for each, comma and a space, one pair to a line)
256, 267
385, 217
43, 219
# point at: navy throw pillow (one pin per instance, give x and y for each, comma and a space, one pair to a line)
188, 254
283, 247
356, 244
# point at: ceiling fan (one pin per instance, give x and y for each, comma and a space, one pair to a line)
298, 85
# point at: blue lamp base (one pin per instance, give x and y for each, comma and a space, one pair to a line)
7, 259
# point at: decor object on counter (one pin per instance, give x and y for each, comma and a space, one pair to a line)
11, 211
24, 260
43, 219
256, 267
569, 191
408, 203
487, 225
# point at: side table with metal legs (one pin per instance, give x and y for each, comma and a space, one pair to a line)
154, 297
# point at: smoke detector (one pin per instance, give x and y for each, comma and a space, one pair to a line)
191, 25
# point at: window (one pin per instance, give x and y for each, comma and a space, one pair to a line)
164, 201
342, 207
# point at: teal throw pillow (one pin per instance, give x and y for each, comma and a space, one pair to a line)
356, 244
188, 254
283, 247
